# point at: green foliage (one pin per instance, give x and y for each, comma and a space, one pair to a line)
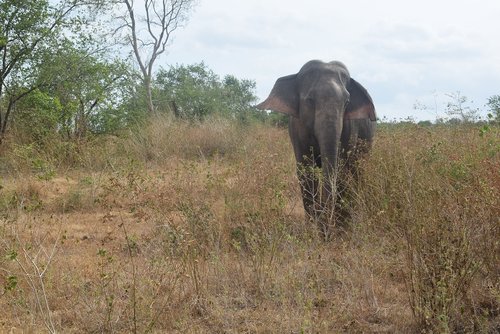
11, 283
82, 93
12, 255
124, 108
494, 108
277, 119
87, 86
37, 117
31, 33
425, 123
24, 25
195, 92
28, 157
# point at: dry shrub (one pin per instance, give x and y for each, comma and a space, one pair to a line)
25, 194
81, 195
199, 228
26, 262
439, 203
161, 137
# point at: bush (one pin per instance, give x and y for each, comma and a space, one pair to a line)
37, 118
195, 92
198, 227
439, 202
161, 138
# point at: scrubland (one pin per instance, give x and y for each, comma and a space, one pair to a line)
175, 227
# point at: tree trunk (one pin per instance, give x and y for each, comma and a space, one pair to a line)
3, 125
149, 95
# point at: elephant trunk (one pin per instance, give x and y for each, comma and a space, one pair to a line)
329, 142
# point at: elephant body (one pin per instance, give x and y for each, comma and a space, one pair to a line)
332, 121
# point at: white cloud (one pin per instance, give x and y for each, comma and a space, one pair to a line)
400, 51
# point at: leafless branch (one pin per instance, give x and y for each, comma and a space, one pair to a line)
162, 17
35, 272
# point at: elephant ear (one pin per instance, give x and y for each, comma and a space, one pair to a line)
283, 97
360, 105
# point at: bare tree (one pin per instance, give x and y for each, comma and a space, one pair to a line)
458, 107
148, 31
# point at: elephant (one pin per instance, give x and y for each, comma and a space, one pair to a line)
331, 124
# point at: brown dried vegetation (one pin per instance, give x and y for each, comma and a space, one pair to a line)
184, 228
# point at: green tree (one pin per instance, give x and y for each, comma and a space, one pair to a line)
37, 117
425, 123
130, 107
86, 86
29, 29
239, 97
191, 91
494, 108
195, 92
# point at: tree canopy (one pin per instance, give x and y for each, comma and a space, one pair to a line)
195, 91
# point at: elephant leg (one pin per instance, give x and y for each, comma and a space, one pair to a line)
318, 199
309, 187
307, 155
356, 139
357, 136
317, 210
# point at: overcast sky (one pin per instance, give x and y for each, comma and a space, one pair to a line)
403, 52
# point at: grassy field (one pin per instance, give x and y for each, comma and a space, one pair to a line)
179, 228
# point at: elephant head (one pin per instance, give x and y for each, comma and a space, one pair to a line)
329, 111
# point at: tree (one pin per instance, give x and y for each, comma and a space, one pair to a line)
458, 108
37, 117
195, 92
81, 92
192, 91
85, 85
23, 24
494, 107
425, 123
149, 35
28, 31
238, 95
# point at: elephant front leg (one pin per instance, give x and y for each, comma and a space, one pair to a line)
317, 202
356, 140
309, 187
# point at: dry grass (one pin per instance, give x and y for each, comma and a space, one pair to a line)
185, 228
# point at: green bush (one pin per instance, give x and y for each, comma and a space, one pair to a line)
37, 117
195, 92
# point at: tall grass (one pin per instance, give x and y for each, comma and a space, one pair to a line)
161, 138
199, 228
436, 192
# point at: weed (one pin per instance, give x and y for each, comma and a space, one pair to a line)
25, 195
199, 228
31, 261
437, 203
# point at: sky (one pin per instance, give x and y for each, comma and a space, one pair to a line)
404, 53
